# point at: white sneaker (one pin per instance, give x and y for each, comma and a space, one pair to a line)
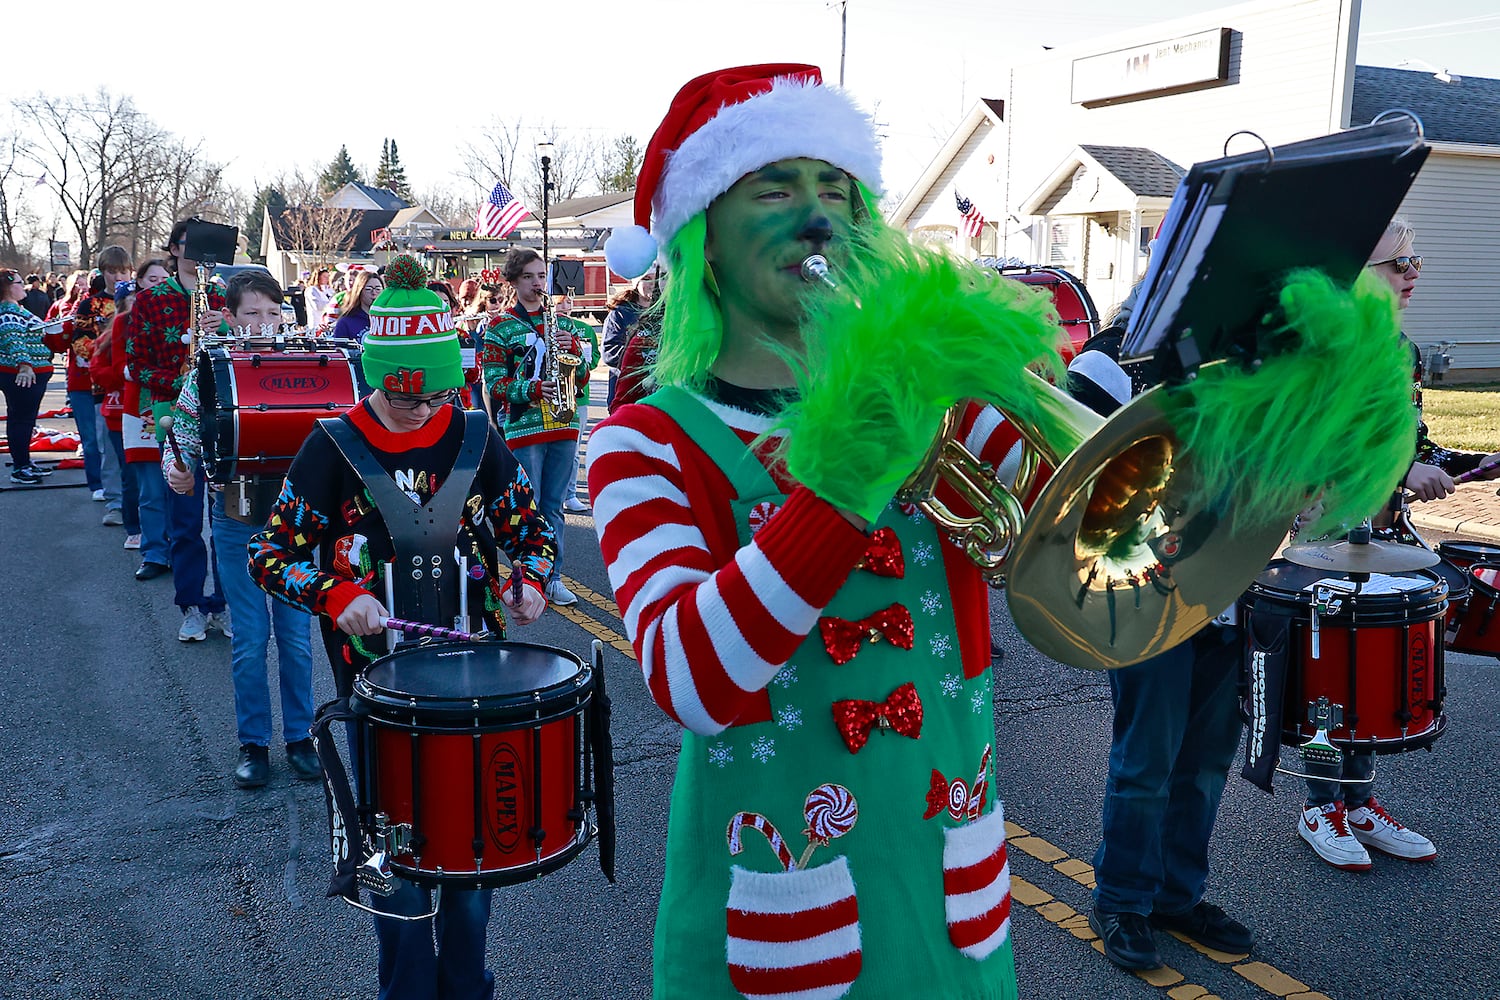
1373, 826
98, 496
560, 595
223, 622
132, 541
1326, 829
573, 505
194, 626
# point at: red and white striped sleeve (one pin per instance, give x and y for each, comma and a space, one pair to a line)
711, 621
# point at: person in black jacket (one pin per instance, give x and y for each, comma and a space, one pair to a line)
36, 300
625, 310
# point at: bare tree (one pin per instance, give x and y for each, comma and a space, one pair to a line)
15, 247
572, 164
442, 202
495, 156
316, 234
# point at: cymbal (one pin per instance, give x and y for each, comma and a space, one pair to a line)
1361, 557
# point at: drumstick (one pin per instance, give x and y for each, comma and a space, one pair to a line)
166, 425
431, 631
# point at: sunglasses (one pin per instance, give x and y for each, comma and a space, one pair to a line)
412, 402
1402, 263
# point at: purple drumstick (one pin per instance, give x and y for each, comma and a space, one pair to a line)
430, 631
1473, 474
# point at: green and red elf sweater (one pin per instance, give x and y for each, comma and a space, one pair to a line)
154, 347
325, 543
513, 359
834, 686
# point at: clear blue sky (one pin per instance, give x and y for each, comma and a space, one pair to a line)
428, 76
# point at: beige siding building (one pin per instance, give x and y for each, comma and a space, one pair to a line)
1074, 161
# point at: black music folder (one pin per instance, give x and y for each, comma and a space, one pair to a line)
211, 243
1238, 225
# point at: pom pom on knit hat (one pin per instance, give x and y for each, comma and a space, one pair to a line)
412, 345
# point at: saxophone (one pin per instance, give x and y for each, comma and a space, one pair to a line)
197, 306
561, 366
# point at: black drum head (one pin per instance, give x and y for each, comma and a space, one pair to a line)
485, 680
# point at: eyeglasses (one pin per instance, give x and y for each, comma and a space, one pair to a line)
412, 402
1402, 263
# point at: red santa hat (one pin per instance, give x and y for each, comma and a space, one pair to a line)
726, 124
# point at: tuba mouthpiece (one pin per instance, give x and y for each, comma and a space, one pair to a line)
815, 269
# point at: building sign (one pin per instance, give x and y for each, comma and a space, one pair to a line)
1190, 61
61, 256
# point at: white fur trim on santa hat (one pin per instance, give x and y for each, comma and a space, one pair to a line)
792, 119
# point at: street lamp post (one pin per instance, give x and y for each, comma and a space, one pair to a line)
544, 148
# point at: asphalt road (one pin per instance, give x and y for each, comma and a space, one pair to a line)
130, 867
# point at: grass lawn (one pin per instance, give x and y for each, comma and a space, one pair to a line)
1464, 416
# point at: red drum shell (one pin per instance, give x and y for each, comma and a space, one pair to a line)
457, 740
265, 404
1075, 307
1476, 630
1379, 656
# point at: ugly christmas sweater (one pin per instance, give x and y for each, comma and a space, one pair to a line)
514, 358
325, 543
21, 341
154, 346
94, 315
834, 826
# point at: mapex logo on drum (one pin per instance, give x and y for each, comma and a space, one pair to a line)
1418, 655
503, 809
295, 385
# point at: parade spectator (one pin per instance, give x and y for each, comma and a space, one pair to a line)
25, 368
108, 373
354, 314
253, 299
37, 301
138, 435
319, 295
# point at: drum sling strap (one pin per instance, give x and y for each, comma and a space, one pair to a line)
1269, 639
346, 835
423, 591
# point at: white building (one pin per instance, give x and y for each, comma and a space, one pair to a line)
1074, 167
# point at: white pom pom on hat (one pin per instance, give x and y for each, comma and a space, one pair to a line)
726, 124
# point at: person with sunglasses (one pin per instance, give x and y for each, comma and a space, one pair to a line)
25, 368
1342, 819
327, 546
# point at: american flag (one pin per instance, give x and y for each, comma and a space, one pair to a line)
973, 218
500, 214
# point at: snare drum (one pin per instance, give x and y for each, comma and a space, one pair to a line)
1075, 307
1476, 630
1376, 653
474, 755
259, 404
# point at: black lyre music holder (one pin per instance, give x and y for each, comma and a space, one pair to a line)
210, 243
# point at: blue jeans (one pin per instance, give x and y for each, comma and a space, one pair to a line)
190, 557
130, 491
438, 959
82, 403
1357, 767
253, 625
109, 465
151, 486
1176, 732
553, 471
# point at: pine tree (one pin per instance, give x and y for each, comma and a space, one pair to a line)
338, 173
266, 199
619, 164
391, 175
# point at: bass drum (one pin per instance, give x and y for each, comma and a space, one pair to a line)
1075, 308
260, 402
1376, 653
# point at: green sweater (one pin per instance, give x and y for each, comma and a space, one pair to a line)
512, 361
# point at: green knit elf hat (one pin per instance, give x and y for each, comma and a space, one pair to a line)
411, 346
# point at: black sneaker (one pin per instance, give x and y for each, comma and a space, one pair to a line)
303, 760
1210, 927
254, 769
1126, 938
38, 470
151, 570
25, 477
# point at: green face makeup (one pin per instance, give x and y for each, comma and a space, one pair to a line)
760, 231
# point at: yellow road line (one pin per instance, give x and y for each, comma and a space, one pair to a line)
1270, 979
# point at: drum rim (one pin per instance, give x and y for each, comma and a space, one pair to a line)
406, 710
1368, 606
494, 878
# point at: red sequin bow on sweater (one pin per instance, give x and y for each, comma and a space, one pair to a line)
843, 638
901, 711
884, 556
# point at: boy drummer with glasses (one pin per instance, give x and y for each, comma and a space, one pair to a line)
333, 531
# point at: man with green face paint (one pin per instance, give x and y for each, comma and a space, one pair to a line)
835, 828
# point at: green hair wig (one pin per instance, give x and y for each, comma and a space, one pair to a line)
910, 332
1332, 417
691, 327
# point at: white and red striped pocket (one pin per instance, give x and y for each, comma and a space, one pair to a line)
794, 933
976, 885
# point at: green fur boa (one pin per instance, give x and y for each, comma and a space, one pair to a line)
1332, 417
909, 332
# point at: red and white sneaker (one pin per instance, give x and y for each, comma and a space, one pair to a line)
1326, 829
1374, 827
